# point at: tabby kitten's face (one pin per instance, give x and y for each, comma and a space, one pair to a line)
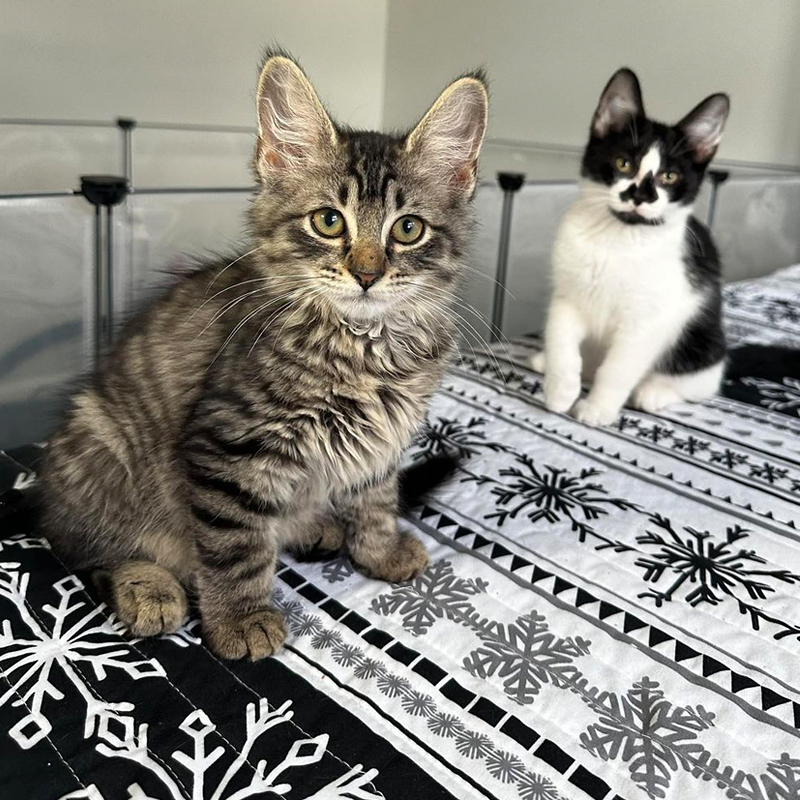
373, 225
646, 172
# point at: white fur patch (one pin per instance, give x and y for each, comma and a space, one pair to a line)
650, 163
621, 299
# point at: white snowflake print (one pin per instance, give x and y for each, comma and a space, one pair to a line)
39, 659
783, 397
200, 756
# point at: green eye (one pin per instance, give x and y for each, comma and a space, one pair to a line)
623, 165
408, 229
669, 177
328, 222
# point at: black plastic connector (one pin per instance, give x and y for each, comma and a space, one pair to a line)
510, 181
104, 190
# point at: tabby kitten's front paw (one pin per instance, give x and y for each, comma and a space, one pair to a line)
254, 636
408, 559
593, 413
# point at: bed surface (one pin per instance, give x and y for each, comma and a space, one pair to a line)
609, 613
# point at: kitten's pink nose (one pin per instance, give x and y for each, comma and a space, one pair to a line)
366, 279
366, 262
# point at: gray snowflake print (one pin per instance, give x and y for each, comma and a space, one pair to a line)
525, 655
435, 594
651, 735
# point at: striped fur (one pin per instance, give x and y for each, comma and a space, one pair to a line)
263, 402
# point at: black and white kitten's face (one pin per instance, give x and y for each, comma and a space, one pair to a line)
372, 224
642, 170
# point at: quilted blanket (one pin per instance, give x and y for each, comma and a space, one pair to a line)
609, 613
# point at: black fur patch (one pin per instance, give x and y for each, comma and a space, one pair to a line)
702, 342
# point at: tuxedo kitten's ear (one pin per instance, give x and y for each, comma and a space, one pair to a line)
447, 140
294, 129
621, 100
703, 126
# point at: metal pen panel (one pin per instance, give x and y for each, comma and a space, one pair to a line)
46, 302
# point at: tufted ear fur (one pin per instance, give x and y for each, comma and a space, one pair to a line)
447, 140
294, 130
703, 126
620, 100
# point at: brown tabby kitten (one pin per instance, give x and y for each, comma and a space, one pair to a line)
265, 403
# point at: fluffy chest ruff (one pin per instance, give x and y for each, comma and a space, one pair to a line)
324, 415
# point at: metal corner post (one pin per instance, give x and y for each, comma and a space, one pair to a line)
126, 126
510, 183
103, 192
716, 177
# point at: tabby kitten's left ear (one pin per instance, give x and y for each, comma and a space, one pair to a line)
447, 140
294, 130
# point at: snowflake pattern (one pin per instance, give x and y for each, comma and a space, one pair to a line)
338, 570
783, 397
435, 594
42, 660
716, 569
131, 743
525, 655
448, 436
691, 444
728, 458
469, 743
647, 732
768, 472
553, 494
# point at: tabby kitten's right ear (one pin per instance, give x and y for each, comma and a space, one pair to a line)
621, 100
294, 130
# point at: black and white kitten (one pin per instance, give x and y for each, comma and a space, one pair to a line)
636, 278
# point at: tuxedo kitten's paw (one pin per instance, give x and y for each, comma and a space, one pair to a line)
537, 362
408, 559
254, 636
146, 597
561, 393
652, 397
594, 414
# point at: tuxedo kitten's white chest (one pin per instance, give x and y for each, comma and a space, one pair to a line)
621, 276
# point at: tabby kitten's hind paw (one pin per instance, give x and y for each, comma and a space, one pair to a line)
147, 597
405, 561
254, 636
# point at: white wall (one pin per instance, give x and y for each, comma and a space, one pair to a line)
183, 60
548, 62
175, 61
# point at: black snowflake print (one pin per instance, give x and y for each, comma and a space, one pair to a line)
624, 422
462, 439
768, 472
435, 594
553, 494
655, 433
716, 569
691, 444
525, 655
778, 310
651, 735
728, 458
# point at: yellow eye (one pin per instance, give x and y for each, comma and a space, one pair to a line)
408, 229
328, 222
623, 165
668, 177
